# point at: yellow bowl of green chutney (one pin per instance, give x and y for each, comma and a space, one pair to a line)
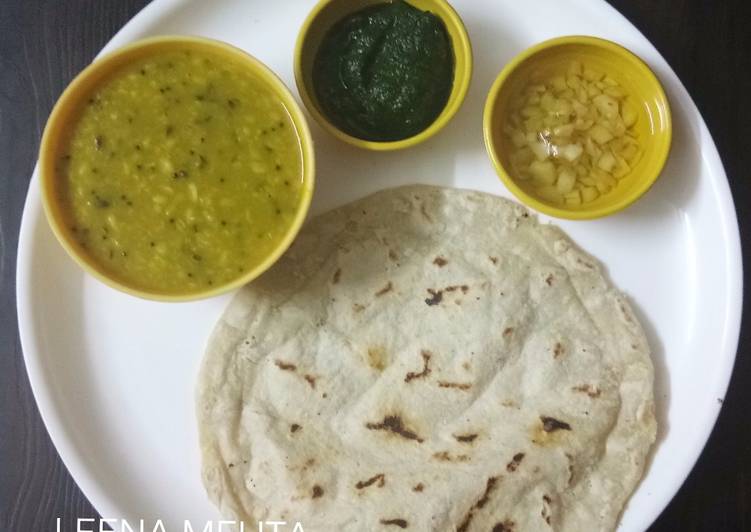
176, 168
391, 107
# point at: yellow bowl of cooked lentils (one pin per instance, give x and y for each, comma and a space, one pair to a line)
577, 127
176, 168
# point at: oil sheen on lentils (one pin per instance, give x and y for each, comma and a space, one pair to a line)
182, 172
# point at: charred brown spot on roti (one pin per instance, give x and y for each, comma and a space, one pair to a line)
505, 526
490, 485
550, 424
425, 367
395, 425
513, 465
509, 403
545, 512
440, 261
464, 526
357, 307
317, 492
310, 379
419, 487
337, 276
507, 332
377, 358
558, 350
592, 391
455, 385
435, 297
549, 431
465, 438
494, 260
294, 427
380, 478
549, 280
392, 255
445, 456
584, 263
385, 290
285, 366
464, 288
401, 523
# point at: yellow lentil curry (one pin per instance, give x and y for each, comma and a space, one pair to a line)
182, 171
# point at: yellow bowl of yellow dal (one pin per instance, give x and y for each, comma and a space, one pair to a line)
176, 168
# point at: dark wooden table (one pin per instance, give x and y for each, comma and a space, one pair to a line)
44, 43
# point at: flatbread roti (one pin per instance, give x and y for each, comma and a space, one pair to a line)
427, 359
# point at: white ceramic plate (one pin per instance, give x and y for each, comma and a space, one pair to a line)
114, 375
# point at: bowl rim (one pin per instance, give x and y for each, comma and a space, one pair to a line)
642, 186
72, 94
456, 97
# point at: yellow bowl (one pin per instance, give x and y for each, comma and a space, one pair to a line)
653, 125
99, 71
327, 13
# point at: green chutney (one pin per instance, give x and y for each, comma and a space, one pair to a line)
384, 73
182, 171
